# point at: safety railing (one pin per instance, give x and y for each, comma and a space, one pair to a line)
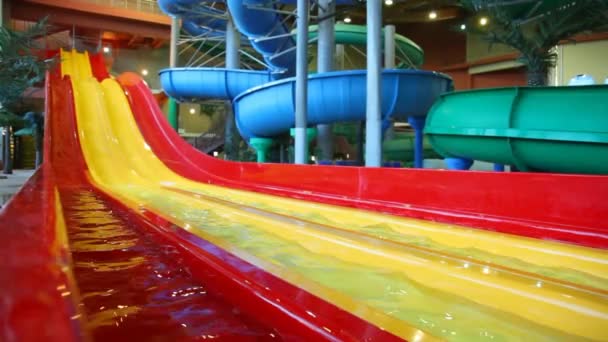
149, 6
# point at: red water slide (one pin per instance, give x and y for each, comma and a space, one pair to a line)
568, 208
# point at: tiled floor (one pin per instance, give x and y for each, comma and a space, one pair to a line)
12, 183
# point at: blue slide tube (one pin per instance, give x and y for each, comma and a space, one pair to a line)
267, 110
187, 84
197, 19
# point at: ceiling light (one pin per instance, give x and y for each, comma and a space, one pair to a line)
432, 15
388, 2
144, 72
463, 27
192, 110
483, 21
106, 49
347, 20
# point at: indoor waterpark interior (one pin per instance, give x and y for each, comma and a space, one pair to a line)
304, 170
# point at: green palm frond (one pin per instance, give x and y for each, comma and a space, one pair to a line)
533, 27
19, 67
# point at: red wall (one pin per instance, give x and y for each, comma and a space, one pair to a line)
500, 78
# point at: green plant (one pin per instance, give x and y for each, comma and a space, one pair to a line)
20, 69
535, 27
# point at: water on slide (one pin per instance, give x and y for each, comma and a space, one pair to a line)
404, 275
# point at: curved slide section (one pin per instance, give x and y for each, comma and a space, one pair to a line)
484, 276
188, 84
279, 52
504, 126
334, 97
197, 19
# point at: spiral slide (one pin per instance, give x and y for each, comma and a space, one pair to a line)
136, 234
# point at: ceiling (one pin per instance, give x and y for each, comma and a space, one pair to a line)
145, 29
408, 11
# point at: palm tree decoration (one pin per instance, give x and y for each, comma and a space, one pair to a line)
534, 27
20, 69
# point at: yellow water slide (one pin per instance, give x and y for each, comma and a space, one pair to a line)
416, 279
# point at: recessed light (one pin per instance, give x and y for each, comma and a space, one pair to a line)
192, 110
347, 20
144, 72
483, 21
463, 27
388, 2
432, 15
106, 49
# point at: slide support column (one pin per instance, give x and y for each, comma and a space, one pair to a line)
301, 146
261, 147
173, 113
325, 63
458, 163
389, 63
373, 124
389, 47
417, 122
231, 136
233, 43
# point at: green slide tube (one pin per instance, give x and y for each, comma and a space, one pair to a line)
550, 129
402, 148
357, 35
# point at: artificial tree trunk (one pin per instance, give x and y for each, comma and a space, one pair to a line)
537, 78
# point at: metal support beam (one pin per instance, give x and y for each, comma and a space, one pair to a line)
389, 47
373, 124
389, 63
173, 42
172, 115
301, 143
233, 44
417, 123
231, 136
340, 56
325, 63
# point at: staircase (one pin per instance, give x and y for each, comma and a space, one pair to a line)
213, 139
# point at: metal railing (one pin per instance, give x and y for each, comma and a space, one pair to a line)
148, 6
